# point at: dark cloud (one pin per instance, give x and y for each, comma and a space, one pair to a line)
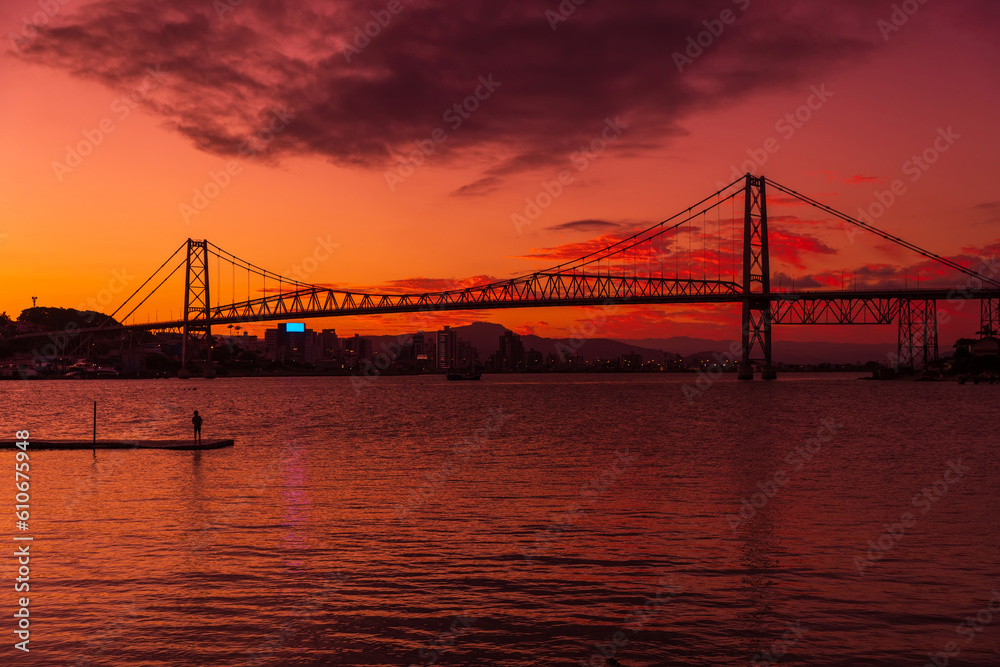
856, 179
783, 281
990, 212
586, 226
229, 72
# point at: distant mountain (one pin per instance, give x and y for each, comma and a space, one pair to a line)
485, 337
788, 352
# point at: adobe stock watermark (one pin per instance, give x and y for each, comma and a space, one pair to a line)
462, 452
455, 116
786, 126
309, 264
110, 636
927, 498
918, 165
706, 379
460, 626
371, 369
363, 35
301, 272
30, 26
698, 44
106, 468
263, 653
223, 7
59, 340
780, 647
957, 299
566, 9
899, 17
581, 159
121, 108
212, 525
591, 492
250, 149
969, 628
582, 332
635, 621
796, 458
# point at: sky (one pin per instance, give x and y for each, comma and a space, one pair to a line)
323, 140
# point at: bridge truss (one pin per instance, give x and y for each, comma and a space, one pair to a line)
705, 254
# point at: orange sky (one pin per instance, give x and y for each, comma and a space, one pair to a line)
65, 233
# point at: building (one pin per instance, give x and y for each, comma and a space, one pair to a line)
510, 356
330, 344
360, 347
242, 343
418, 346
453, 352
291, 341
631, 361
466, 356
447, 344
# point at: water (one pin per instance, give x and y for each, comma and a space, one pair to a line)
520, 520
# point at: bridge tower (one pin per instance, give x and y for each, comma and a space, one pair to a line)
197, 310
918, 333
756, 328
989, 318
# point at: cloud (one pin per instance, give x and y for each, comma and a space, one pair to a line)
927, 273
790, 248
420, 285
990, 212
585, 226
227, 75
784, 282
571, 251
856, 179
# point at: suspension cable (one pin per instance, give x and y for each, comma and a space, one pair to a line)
112, 315
154, 290
885, 235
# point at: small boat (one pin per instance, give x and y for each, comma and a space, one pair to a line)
465, 375
90, 371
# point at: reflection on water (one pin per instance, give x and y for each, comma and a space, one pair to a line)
293, 549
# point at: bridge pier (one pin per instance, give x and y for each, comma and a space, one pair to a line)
918, 333
756, 326
989, 326
197, 308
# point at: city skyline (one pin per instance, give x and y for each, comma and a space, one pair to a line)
833, 126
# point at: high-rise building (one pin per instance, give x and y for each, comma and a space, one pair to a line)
510, 356
447, 346
330, 344
418, 350
361, 347
291, 341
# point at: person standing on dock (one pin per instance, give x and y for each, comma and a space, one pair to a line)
196, 420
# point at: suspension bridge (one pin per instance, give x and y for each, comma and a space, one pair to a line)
715, 252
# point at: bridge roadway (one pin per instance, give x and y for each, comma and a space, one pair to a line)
876, 306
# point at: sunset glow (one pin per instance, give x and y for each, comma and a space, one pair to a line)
129, 127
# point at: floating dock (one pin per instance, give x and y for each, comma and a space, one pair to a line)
121, 444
